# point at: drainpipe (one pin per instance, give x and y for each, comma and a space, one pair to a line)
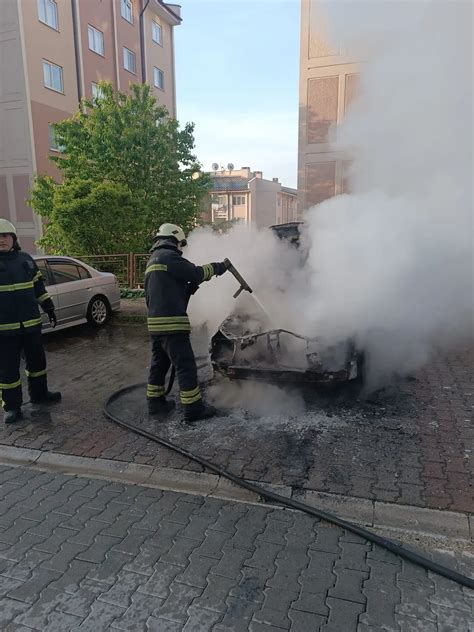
142, 40
76, 49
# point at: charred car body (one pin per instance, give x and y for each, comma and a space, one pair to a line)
243, 349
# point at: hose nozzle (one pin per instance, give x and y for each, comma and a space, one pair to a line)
243, 283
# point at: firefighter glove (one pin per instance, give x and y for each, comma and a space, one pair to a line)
219, 268
52, 318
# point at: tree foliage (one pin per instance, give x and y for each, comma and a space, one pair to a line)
126, 168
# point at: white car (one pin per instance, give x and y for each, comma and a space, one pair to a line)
80, 293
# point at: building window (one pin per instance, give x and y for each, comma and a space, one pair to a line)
53, 76
96, 91
96, 40
126, 10
159, 78
53, 143
129, 60
156, 32
48, 13
238, 200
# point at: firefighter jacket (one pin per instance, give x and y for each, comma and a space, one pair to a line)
21, 291
170, 279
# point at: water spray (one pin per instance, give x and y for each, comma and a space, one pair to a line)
244, 286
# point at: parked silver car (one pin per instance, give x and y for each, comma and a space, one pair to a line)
80, 293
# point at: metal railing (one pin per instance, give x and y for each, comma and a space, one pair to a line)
128, 268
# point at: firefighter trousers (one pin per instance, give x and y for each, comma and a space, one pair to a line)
175, 350
11, 348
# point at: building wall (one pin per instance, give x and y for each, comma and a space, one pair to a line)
16, 158
264, 202
96, 67
42, 115
241, 211
328, 82
44, 42
287, 208
27, 107
160, 56
128, 35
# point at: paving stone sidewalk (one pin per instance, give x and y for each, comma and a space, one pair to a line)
80, 554
411, 444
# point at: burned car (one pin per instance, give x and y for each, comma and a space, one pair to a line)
245, 349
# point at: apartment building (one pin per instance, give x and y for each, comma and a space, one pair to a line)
245, 195
328, 83
54, 52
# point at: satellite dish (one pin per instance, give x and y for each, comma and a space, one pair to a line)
230, 166
215, 166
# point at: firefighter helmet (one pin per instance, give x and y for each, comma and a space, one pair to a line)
7, 227
171, 231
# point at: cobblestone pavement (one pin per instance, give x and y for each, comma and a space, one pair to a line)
85, 554
410, 444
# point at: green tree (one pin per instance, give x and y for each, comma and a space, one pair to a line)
126, 168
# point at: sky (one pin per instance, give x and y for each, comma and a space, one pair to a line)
237, 74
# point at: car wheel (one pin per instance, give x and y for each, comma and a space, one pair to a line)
98, 312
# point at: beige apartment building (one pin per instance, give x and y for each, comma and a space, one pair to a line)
53, 53
245, 195
328, 83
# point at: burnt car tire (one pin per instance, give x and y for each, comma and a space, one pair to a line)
98, 312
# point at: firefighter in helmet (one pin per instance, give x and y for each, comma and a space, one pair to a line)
170, 280
21, 292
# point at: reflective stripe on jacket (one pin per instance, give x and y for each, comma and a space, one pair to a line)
170, 279
21, 291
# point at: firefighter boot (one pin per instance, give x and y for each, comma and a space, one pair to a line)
10, 416
160, 405
49, 397
199, 411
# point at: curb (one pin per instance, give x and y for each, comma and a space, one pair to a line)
402, 519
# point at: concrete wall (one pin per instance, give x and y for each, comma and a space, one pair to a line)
328, 82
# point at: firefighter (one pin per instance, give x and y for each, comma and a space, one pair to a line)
21, 291
170, 280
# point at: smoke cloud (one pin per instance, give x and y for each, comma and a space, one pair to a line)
391, 264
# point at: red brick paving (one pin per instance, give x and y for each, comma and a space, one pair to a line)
409, 445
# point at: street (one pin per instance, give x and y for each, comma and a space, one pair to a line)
82, 548
85, 554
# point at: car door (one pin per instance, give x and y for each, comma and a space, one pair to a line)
74, 289
50, 288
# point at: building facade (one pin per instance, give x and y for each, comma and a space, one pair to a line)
328, 83
246, 196
53, 53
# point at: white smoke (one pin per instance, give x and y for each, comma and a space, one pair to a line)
269, 266
391, 264
393, 261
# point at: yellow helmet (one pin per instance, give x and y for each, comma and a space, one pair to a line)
171, 231
7, 227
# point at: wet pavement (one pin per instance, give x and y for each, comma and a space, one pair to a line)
79, 554
409, 444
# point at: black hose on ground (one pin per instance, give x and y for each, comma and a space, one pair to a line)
390, 545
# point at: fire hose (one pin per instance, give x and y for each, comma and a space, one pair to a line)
390, 545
